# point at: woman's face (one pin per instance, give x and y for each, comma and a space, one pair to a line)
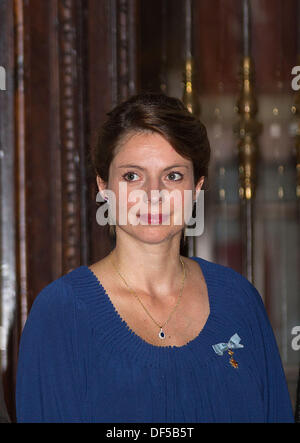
147, 162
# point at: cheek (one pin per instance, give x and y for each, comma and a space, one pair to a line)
127, 211
188, 203
121, 192
182, 208
176, 203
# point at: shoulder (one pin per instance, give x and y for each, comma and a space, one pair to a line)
59, 299
238, 304
222, 273
235, 286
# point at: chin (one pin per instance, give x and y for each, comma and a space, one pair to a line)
151, 234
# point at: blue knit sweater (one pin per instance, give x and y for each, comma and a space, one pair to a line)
80, 362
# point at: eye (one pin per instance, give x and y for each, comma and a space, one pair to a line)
129, 174
173, 174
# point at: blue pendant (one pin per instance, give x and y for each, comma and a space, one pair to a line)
161, 334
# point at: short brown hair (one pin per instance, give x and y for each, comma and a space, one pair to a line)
155, 112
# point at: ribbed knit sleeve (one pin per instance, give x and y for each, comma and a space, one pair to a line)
268, 362
52, 366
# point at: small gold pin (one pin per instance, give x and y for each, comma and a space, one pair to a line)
232, 361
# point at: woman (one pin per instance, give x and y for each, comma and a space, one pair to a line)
146, 334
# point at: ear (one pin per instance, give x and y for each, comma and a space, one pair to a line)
102, 185
199, 185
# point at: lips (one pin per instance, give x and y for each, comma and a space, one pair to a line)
153, 219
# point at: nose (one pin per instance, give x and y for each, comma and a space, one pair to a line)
152, 192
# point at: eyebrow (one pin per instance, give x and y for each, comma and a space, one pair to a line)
143, 169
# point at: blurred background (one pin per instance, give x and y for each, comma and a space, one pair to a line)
68, 62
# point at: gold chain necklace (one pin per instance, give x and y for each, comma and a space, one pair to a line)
161, 332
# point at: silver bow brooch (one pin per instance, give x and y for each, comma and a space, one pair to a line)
233, 343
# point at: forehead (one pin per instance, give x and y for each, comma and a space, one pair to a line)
143, 146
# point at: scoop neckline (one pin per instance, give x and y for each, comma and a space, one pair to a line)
131, 334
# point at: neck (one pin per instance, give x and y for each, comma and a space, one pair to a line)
151, 268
